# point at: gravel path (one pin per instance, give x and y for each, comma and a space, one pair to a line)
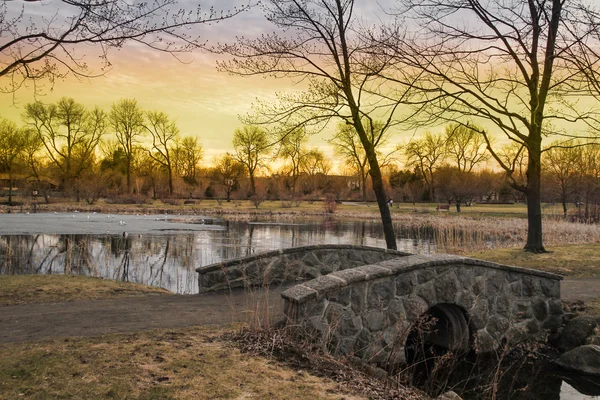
34, 322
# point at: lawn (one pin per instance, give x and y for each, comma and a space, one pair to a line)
572, 260
182, 364
25, 289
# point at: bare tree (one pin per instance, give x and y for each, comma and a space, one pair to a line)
316, 166
127, 121
187, 155
465, 146
12, 145
347, 145
319, 43
70, 134
164, 134
252, 149
292, 149
563, 164
49, 40
497, 63
227, 173
426, 155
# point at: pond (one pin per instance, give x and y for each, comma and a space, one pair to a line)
165, 250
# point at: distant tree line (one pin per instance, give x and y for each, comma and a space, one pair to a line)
129, 154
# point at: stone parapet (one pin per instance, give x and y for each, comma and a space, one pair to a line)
288, 265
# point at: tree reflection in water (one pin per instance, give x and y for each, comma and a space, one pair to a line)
170, 260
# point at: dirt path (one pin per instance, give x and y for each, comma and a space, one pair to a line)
89, 318
47, 321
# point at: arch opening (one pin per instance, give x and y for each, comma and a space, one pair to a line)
441, 336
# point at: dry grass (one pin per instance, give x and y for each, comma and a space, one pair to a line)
593, 307
574, 260
25, 289
175, 364
461, 234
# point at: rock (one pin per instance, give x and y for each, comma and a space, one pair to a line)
576, 332
584, 359
451, 395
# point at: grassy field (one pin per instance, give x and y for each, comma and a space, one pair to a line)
26, 289
174, 364
573, 260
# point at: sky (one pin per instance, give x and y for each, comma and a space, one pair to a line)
204, 102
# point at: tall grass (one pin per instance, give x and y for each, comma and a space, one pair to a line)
465, 234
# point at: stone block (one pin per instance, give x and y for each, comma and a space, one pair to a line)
540, 309
375, 320
552, 323
414, 307
494, 283
521, 309
531, 286
351, 275
358, 297
532, 327
375, 271
405, 284
341, 296
465, 299
426, 291
349, 324
299, 294
478, 287
550, 288
325, 283
310, 259
466, 276
396, 311
425, 275
479, 313
446, 286
516, 288
555, 307
380, 293
333, 314
497, 327
484, 342
583, 359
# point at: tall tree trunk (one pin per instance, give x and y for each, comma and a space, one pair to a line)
10, 186
363, 184
384, 210
128, 176
534, 206
252, 185
170, 181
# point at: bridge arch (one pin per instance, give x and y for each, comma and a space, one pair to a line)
370, 310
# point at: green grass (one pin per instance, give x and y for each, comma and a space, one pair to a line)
573, 260
162, 364
26, 289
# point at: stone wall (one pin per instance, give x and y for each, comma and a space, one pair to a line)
288, 265
368, 311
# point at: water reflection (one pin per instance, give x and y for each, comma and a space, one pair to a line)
169, 260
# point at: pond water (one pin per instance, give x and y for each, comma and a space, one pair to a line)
165, 250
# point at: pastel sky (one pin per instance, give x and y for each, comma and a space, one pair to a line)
203, 101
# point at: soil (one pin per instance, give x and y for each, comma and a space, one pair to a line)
33, 322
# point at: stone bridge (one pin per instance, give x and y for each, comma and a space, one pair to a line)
367, 302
